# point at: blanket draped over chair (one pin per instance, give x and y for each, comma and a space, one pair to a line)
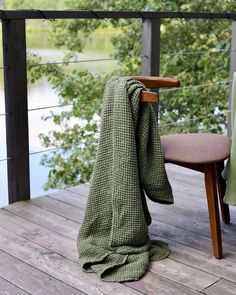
113, 240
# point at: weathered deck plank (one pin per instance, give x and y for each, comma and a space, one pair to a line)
179, 252
31, 279
44, 218
52, 241
7, 288
151, 284
40, 237
59, 208
56, 266
221, 287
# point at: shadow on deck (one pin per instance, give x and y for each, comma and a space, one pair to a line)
38, 251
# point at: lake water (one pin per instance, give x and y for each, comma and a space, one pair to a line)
41, 94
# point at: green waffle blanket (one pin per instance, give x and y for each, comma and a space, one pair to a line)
113, 240
229, 172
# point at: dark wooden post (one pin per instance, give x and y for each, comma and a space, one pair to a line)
150, 53
232, 70
15, 84
150, 62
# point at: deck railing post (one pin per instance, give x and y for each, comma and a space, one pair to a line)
232, 70
150, 52
15, 84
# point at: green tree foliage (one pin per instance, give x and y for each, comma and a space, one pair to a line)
29, 4
202, 108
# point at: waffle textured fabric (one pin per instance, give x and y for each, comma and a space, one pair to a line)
229, 172
113, 241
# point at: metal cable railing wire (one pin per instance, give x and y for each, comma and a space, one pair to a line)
200, 52
110, 59
113, 59
5, 159
64, 105
50, 107
38, 152
52, 149
218, 83
66, 62
71, 62
183, 121
44, 151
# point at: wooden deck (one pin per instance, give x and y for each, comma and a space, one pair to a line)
38, 251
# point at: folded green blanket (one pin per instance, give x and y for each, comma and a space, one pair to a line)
229, 172
113, 240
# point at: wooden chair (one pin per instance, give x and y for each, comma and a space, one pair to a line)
204, 152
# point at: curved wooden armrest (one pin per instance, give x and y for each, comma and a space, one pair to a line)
157, 82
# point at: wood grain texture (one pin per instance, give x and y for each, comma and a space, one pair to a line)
56, 266
177, 272
151, 81
182, 253
39, 235
221, 287
188, 238
44, 218
213, 208
150, 49
71, 197
31, 279
201, 260
7, 288
148, 96
60, 208
82, 189
183, 274
151, 284
16, 104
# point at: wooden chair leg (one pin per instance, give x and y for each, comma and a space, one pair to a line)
221, 185
213, 209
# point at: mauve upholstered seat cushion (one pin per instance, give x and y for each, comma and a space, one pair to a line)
195, 148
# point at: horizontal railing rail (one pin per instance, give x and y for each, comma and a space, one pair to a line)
15, 79
97, 14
